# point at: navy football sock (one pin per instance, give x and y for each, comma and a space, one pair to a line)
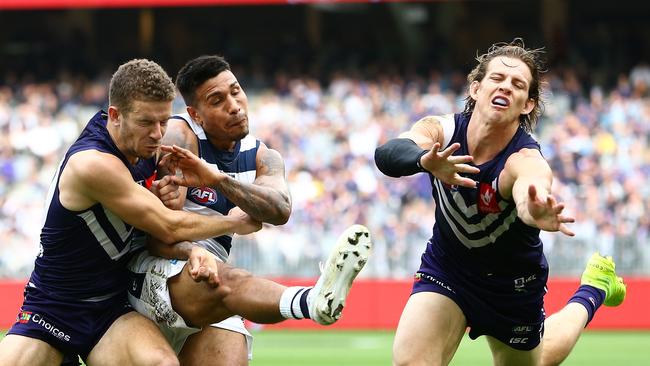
589, 297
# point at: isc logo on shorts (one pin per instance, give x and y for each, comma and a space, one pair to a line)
203, 195
518, 340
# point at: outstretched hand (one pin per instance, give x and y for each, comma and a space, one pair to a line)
202, 266
547, 212
191, 171
447, 167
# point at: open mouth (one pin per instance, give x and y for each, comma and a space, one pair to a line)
500, 102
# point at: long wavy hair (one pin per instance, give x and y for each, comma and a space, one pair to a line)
532, 59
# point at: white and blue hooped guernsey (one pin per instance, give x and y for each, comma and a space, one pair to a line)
240, 164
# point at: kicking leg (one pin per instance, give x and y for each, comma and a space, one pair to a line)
599, 285
264, 301
199, 304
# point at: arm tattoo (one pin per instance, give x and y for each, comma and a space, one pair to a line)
267, 199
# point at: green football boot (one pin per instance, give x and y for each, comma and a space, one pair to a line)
601, 273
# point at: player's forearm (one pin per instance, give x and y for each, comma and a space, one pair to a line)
183, 225
521, 198
264, 204
399, 157
180, 250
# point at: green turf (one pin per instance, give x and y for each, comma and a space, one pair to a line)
334, 348
356, 348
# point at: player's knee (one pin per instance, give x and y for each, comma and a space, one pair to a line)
404, 358
549, 360
161, 357
400, 358
234, 276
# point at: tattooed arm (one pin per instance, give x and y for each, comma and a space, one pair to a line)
267, 199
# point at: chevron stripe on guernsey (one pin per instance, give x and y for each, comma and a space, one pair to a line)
103, 230
461, 214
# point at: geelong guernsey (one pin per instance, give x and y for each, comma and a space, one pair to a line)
476, 228
83, 254
240, 164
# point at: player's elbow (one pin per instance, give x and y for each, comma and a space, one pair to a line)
383, 161
171, 230
280, 217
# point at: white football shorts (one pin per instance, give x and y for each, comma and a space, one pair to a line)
149, 276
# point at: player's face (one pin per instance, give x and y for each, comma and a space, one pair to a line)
222, 109
502, 95
142, 128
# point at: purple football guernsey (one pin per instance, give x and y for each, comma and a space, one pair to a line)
78, 285
475, 227
482, 256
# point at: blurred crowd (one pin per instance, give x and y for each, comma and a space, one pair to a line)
596, 139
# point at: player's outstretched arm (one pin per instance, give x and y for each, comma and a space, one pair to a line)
418, 150
531, 179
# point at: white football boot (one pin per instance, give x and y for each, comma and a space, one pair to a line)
347, 258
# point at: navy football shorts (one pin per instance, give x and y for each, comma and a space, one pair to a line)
509, 308
72, 327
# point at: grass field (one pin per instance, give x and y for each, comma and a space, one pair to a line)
356, 348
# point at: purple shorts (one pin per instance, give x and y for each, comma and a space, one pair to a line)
508, 307
72, 327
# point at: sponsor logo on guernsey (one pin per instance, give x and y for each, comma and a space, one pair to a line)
26, 316
149, 181
487, 200
203, 195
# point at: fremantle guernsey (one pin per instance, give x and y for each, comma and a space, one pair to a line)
83, 254
476, 229
239, 164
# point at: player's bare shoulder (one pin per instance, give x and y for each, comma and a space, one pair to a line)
430, 129
180, 134
269, 161
87, 171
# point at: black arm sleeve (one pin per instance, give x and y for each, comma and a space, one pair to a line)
399, 157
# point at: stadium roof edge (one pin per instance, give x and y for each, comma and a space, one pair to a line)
75, 4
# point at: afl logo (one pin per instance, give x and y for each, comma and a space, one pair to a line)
203, 195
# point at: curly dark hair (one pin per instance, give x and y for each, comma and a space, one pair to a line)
532, 59
142, 80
